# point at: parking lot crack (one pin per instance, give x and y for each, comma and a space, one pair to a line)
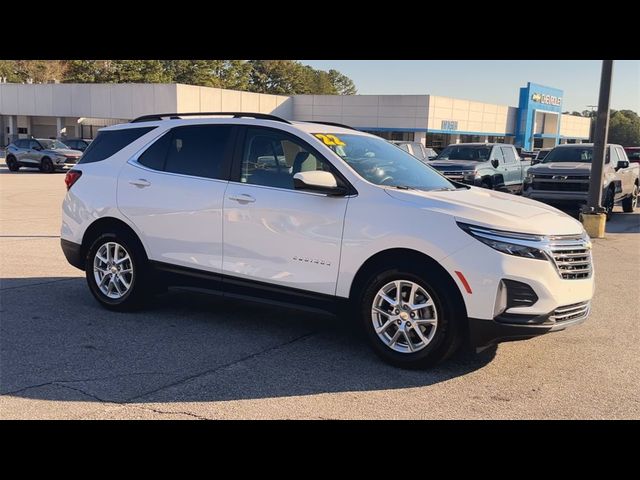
223, 366
168, 412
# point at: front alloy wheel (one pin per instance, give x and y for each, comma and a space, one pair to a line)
113, 270
404, 316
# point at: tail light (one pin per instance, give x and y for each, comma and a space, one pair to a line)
72, 177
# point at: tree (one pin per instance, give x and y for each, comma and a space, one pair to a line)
279, 77
36, 71
624, 128
343, 84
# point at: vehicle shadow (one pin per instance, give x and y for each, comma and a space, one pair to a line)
623, 222
57, 343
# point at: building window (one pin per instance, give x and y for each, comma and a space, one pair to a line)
22, 130
437, 140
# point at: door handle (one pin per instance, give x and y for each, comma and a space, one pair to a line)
244, 198
140, 183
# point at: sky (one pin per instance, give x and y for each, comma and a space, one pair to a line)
492, 81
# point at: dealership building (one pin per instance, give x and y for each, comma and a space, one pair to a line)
79, 110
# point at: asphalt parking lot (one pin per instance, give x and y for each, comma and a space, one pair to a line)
192, 356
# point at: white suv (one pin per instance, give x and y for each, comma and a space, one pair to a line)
323, 217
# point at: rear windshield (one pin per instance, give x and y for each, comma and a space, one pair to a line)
111, 141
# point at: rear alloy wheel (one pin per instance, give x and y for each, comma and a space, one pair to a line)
630, 203
46, 166
608, 204
113, 270
116, 271
12, 164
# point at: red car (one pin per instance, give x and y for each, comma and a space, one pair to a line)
633, 153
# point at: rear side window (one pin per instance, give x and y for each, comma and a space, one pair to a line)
509, 155
198, 150
109, 142
156, 154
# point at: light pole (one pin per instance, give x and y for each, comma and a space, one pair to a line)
593, 217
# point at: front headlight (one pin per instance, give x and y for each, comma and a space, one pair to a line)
470, 175
512, 243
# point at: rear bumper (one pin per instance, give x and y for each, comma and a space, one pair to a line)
483, 333
73, 253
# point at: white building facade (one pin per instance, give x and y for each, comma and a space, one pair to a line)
79, 110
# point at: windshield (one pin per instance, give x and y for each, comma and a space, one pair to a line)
49, 144
465, 152
542, 154
382, 163
569, 154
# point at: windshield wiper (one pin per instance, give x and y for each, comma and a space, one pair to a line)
403, 187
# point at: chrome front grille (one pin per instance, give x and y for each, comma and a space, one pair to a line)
571, 312
571, 256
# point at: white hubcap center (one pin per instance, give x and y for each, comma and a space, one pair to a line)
404, 316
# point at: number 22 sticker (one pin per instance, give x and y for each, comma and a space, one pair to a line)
330, 140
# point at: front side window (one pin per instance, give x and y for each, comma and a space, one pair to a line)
109, 142
497, 155
381, 163
272, 159
34, 145
466, 152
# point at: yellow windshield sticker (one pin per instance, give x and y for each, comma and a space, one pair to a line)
330, 140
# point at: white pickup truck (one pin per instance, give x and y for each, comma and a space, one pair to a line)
562, 178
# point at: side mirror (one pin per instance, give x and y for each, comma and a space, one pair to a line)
622, 164
535, 161
495, 163
318, 181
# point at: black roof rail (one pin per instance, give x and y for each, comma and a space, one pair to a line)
333, 124
175, 116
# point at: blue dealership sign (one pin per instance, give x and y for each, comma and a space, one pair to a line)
535, 98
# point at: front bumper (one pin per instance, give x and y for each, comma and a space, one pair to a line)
552, 196
483, 333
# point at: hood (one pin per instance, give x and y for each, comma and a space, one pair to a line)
454, 165
64, 151
567, 168
493, 209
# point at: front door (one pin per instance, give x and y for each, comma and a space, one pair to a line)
272, 232
173, 194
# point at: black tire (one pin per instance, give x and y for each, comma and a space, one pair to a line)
630, 203
449, 329
46, 165
486, 184
608, 203
12, 164
141, 285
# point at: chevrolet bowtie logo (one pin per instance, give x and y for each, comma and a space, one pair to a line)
536, 97
559, 177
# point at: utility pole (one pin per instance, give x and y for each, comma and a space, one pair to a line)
593, 217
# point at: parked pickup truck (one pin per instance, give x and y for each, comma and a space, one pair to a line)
490, 165
563, 177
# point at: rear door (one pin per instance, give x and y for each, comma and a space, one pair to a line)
32, 153
173, 193
512, 169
